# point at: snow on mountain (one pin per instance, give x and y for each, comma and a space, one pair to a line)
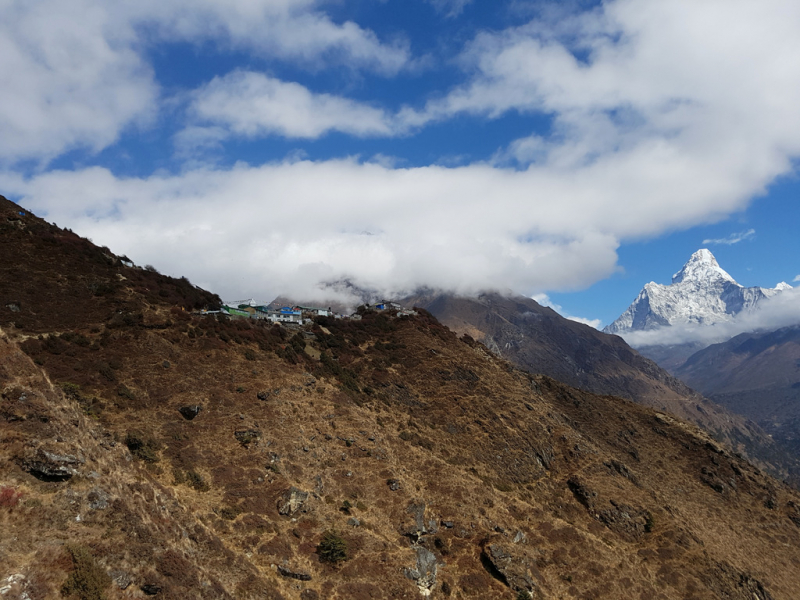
701, 293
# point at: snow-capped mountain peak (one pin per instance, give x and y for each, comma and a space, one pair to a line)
702, 266
701, 293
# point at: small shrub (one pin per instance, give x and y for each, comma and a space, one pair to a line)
71, 390
142, 446
178, 476
125, 392
229, 513
649, 523
346, 506
88, 581
332, 548
249, 354
106, 371
196, 481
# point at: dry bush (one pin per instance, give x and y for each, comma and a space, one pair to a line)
88, 581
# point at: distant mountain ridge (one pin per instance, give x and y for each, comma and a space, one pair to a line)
701, 293
539, 340
756, 375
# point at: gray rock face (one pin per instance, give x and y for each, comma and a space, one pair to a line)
292, 501
98, 499
121, 578
424, 574
518, 571
49, 464
416, 529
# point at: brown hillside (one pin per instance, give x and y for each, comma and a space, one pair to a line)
539, 340
438, 469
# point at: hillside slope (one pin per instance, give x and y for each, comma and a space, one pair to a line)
757, 375
151, 452
539, 340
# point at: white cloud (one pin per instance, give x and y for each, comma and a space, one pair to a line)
256, 231
252, 104
796, 279
290, 29
779, 311
595, 323
67, 79
545, 300
733, 238
75, 75
658, 86
451, 8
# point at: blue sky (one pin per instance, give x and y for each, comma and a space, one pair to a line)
573, 149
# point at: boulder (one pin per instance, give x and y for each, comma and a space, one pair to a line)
512, 566
424, 573
51, 464
98, 499
292, 501
190, 412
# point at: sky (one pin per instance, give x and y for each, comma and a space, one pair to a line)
570, 151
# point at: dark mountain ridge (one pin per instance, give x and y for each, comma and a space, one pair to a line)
757, 375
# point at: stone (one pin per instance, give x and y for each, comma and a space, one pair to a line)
262, 396
418, 529
98, 499
121, 579
292, 501
151, 589
393, 484
190, 412
512, 567
424, 573
353, 522
51, 464
448, 524
285, 572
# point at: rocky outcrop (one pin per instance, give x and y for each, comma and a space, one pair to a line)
292, 501
51, 463
424, 573
512, 566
